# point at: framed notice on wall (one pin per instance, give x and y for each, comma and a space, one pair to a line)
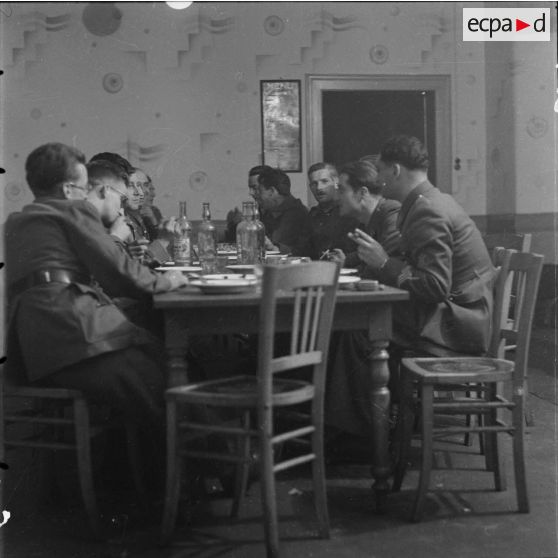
281, 131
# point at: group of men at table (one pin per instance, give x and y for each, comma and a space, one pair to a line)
75, 278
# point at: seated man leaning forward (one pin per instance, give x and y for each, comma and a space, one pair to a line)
328, 228
285, 218
64, 330
360, 197
445, 265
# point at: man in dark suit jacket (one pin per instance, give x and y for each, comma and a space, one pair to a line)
360, 197
285, 217
328, 227
445, 265
64, 329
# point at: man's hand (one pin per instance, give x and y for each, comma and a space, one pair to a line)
120, 229
269, 246
138, 249
336, 255
369, 251
176, 278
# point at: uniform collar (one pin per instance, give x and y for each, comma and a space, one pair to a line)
411, 198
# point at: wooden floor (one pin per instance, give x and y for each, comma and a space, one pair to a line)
459, 523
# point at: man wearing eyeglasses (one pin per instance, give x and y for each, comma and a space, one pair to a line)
62, 271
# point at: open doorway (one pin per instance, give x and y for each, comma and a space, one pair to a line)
353, 116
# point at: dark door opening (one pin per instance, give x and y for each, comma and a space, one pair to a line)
357, 123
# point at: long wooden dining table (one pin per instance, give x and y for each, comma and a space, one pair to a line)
189, 312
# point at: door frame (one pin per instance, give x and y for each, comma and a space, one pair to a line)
440, 83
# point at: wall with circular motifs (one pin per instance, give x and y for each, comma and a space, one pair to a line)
177, 92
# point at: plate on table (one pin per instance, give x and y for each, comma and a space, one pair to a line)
272, 252
229, 276
347, 281
226, 253
183, 268
348, 271
241, 268
224, 286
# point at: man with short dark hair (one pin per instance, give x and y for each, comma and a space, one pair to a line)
285, 218
64, 330
360, 197
446, 267
328, 228
235, 215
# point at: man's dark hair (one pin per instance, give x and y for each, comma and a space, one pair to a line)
275, 178
407, 151
50, 165
115, 159
362, 174
322, 165
101, 169
258, 170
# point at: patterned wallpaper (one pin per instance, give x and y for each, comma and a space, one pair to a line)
177, 92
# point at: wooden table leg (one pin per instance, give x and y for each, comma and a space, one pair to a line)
176, 345
380, 400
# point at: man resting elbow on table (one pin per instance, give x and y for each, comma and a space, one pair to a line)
62, 270
444, 265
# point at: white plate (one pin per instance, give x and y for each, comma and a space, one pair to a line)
347, 281
226, 253
224, 286
348, 271
184, 268
272, 252
229, 277
239, 268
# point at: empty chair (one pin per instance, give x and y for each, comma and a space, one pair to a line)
307, 314
489, 375
50, 413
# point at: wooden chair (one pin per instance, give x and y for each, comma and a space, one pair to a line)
512, 241
488, 374
50, 412
310, 313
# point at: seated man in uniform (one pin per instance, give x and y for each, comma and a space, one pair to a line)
360, 197
328, 228
347, 400
285, 218
445, 264
151, 214
64, 330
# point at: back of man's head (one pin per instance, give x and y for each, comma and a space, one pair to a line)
100, 170
362, 174
254, 171
322, 165
51, 164
116, 159
275, 178
407, 151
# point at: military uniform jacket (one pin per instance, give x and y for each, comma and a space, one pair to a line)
287, 226
447, 270
54, 325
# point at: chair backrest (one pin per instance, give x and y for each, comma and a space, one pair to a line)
310, 313
511, 241
502, 295
526, 268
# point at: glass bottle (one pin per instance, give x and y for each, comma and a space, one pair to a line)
207, 250
247, 236
261, 233
182, 249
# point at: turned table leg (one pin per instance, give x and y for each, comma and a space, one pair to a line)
380, 401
